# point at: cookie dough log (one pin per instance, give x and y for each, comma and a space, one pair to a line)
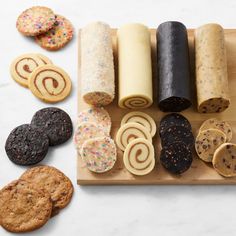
211, 69
135, 67
174, 93
97, 65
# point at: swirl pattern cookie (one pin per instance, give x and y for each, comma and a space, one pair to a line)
139, 158
35, 21
135, 102
99, 154
129, 132
50, 83
22, 67
142, 119
58, 36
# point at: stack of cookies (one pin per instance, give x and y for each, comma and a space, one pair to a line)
177, 142
51, 31
28, 203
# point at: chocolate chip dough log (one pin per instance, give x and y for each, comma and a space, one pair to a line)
211, 69
97, 67
135, 67
174, 69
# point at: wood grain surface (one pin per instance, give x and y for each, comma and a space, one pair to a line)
200, 172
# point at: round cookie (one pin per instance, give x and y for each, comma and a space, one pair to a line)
85, 131
22, 67
207, 142
224, 160
173, 119
99, 154
54, 182
177, 134
55, 123
35, 20
129, 132
223, 126
141, 118
97, 115
45, 59
58, 36
24, 207
139, 157
50, 83
176, 157
26, 145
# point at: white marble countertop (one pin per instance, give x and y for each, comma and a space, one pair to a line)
116, 210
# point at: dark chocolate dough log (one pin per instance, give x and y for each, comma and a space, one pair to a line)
174, 67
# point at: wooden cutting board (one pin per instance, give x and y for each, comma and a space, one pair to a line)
200, 172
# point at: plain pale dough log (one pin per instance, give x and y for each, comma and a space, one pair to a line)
211, 69
135, 67
97, 66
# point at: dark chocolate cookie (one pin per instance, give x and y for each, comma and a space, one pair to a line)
176, 157
173, 119
54, 122
26, 145
177, 134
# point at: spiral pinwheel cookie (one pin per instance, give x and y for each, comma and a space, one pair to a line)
50, 83
142, 119
129, 132
58, 36
35, 21
99, 154
139, 157
22, 67
97, 115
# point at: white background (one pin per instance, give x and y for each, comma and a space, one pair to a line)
117, 210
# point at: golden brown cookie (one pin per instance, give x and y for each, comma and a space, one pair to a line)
58, 36
35, 21
50, 83
53, 181
23, 207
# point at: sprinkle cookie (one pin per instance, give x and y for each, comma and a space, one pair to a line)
35, 21
207, 142
54, 182
58, 36
99, 154
23, 207
97, 115
22, 67
50, 83
85, 131
224, 160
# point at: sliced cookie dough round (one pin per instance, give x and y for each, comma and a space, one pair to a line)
26, 145
99, 154
24, 207
139, 157
54, 182
35, 20
96, 115
177, 134
55, 123
173, 119
129, 132
207, 142
50, 83
176, 157
58, 36
214, 123
224, 160
142, 119
85, 131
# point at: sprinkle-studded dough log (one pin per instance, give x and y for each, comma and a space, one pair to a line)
97, 66
135, 67
139, 157
211, 69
